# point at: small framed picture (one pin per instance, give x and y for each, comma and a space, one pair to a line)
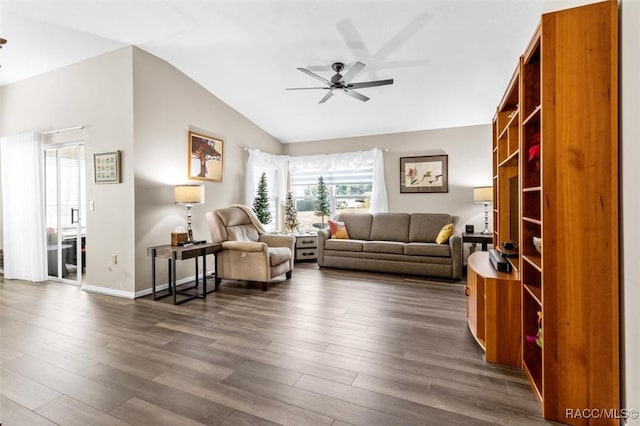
106, 167
424, 174
205, 157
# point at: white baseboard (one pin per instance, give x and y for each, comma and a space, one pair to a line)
134, 295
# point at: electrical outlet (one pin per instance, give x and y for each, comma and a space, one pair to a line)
114, 259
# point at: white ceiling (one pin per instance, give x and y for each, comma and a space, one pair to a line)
450, 59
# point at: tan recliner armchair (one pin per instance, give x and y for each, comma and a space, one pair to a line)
248, 252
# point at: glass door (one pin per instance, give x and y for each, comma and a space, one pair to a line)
65, 212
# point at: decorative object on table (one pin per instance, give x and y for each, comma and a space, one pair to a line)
291, 222
188, 195
323, 208
106, 167
424, 174
179, 236
469, 229
261, 202
537, 244
205, 157
484, 195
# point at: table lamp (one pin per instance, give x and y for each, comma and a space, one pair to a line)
188, 195
484, 195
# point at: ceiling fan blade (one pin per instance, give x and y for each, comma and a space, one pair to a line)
370, 84
356, 95
314, 75
326, 97
353, 71
306, 88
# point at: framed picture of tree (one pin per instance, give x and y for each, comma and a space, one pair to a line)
424, 174
205, 157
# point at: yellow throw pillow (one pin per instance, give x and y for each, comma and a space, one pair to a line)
338, 230
444, 234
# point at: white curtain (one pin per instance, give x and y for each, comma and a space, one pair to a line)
23, 219
278, 166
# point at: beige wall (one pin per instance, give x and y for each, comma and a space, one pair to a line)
167, 104
96, 93
469, 158
630, 153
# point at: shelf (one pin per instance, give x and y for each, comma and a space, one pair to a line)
531, 220
511, 117
535, 292
534, 385
532, 189
511, 160
534, 260
535, 114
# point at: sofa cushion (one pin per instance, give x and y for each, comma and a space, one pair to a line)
278, 255
424, 227
343, 245
358, 224
390, 227
427, 249
393, 247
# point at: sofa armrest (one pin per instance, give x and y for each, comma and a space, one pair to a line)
323, 235
244, 246
455, 243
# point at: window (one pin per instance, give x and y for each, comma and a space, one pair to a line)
355, 181
349, 191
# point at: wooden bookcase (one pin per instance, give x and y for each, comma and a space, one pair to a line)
566, 165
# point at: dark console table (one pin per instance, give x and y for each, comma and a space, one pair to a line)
484, 239
175, 253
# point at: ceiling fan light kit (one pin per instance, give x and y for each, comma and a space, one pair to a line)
342, 84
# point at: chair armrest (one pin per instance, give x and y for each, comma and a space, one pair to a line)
244, 246
278, 240
455, 242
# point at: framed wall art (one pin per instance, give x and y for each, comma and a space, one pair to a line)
424, 174
205, 157
106, 167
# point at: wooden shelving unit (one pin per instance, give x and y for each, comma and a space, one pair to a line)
565, 97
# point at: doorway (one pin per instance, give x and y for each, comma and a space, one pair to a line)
65, 209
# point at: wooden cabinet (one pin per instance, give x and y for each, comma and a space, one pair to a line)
493, 310
567, 173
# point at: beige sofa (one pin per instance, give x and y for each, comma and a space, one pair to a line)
393, 242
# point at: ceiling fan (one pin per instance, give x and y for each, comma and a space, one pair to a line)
341, 84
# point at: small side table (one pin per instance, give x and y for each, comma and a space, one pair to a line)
306, 247
174, 253
484, 239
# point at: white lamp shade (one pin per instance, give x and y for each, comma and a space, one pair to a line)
188, 194
483, 194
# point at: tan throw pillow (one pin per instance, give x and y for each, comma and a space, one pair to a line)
338, 230
444, 234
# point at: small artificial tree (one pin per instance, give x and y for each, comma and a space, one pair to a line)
261, 202
322, 201
291, 222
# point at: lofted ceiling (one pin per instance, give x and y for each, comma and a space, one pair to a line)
450, 59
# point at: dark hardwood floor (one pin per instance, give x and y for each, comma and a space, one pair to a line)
328, 347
